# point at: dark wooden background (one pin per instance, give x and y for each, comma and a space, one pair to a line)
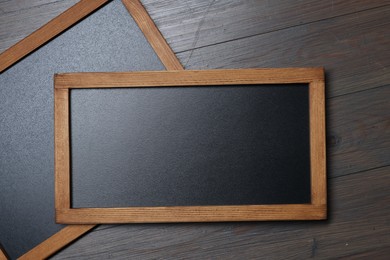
351, 39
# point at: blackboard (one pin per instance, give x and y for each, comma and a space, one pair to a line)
190, 140
107, 40
194, 146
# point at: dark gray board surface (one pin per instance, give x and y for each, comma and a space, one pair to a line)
190, 146
108, 40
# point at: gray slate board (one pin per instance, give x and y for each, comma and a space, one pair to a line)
108, 40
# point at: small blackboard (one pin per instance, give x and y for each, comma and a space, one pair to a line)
221, 145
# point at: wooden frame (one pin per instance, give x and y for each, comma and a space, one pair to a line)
3, 254
49, 31
57, 241
153, 35
313, 211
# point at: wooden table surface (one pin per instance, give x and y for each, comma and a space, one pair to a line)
351, 40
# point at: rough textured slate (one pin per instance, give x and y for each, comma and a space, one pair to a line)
191, 146
109, 40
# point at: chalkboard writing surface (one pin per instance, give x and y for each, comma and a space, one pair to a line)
230, 145
219, 145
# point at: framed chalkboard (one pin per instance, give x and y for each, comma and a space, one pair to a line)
190, 146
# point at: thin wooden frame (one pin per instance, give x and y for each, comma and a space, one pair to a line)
57, 241
3, 254
49, 31
153, 35
315, 210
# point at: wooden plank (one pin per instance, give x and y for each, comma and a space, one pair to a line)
358, 224
187, 78
358, 131
56, 242
194, 24
354, 49
62, 148
48, 31
377, 253
191, 214
153, 35
21, 5
21, 17
317, 142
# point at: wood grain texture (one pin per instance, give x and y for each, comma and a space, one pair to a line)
354, 50
15, 14
187, 78
317, 142
358, 225
48, 31
314, 211
62, 148
191, 214
10, 6
3, 254
194, 24
153, 35
56, 242
358, 131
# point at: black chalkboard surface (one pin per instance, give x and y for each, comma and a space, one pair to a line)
218, 145
230, 145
